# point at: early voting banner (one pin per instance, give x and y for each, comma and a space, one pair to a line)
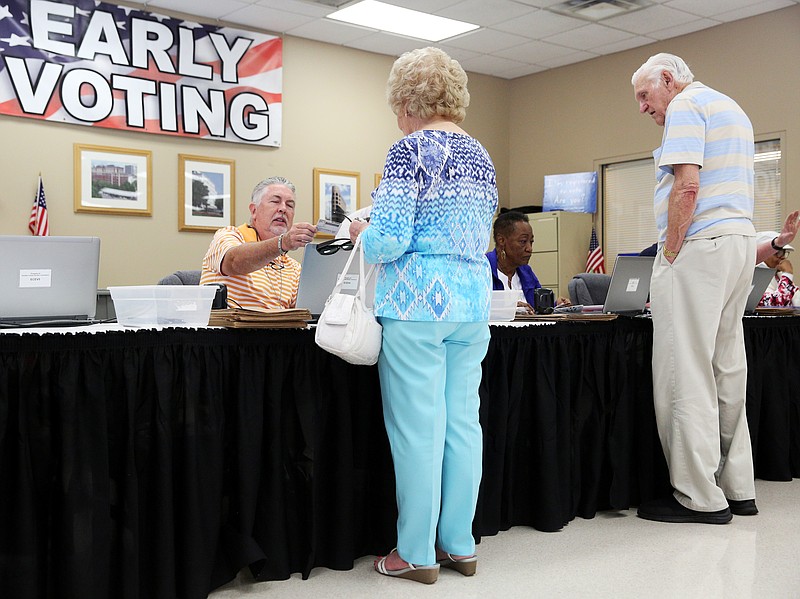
91, 63
573, 192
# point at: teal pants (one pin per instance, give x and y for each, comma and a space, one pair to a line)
430, 373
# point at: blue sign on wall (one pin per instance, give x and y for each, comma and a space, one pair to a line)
573, 192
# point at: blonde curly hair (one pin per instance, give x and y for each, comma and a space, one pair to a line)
425, 83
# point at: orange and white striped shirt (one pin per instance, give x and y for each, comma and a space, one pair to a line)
269, 288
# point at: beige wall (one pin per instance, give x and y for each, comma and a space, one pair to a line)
566, 119
336, 117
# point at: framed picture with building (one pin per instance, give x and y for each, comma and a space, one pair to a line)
112, 180
336, 194
206, 193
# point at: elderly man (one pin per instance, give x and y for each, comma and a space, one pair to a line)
701, 280
251, 259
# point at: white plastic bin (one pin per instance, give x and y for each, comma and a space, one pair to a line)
504, 304
166, 305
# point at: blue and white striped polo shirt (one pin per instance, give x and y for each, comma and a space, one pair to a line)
707, 128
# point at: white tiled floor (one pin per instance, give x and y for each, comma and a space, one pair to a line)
614, 555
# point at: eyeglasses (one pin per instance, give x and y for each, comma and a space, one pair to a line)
337, 210
781, 254
326, 248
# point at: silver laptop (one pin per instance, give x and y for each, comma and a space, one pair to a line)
318, 277
48, 280
630, 285
761, 278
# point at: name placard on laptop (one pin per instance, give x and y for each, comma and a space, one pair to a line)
35, 278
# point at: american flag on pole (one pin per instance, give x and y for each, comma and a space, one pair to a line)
595, 261
38, 223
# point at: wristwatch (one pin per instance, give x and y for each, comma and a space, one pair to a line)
777, 248
280, 245
669, 253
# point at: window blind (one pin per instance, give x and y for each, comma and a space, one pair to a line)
629, 224
768, 207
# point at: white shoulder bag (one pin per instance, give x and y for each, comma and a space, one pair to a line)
347, 327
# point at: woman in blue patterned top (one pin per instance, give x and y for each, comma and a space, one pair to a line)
429, 228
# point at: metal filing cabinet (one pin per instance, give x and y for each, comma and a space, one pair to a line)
560, 247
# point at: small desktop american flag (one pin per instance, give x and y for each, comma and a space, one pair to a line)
38, 223
595, 261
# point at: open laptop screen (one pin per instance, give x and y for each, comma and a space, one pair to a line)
48, 278
761, 278
630, 285
318, 277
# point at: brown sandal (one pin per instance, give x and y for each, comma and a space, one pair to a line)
465, 565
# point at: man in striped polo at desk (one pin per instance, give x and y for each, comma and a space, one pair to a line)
251, 259
701, 279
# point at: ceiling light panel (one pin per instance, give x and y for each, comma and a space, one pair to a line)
402, 21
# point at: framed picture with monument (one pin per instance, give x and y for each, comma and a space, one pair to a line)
336, 194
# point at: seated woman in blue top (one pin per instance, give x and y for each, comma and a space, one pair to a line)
513, 239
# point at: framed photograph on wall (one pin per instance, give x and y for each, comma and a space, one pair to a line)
206, 193
113, 180
378, 177
336, 193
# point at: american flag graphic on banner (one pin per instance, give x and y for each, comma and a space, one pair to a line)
595, 261
38, 223
90, 63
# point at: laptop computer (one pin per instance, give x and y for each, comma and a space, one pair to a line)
318, 277
48, 280
761, 278
629, 287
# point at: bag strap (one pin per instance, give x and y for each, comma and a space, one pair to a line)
362, 280
340, 278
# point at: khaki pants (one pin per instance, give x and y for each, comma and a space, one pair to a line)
700, 369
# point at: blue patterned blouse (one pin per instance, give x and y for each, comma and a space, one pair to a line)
429, 228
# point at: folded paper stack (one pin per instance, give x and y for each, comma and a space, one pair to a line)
239, 318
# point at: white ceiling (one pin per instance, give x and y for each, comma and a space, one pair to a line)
516, 37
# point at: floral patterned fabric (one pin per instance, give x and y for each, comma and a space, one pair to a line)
780, 293
429, 228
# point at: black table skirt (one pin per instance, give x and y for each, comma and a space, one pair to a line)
157, 464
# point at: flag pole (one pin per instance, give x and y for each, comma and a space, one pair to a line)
38, 223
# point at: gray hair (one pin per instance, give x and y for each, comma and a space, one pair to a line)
258, 190
651, 70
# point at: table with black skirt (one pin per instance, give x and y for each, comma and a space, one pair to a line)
150, 464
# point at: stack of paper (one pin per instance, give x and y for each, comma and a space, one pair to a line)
570, 316
239, 318
777, 311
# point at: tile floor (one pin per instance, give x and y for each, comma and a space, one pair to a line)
614, 555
